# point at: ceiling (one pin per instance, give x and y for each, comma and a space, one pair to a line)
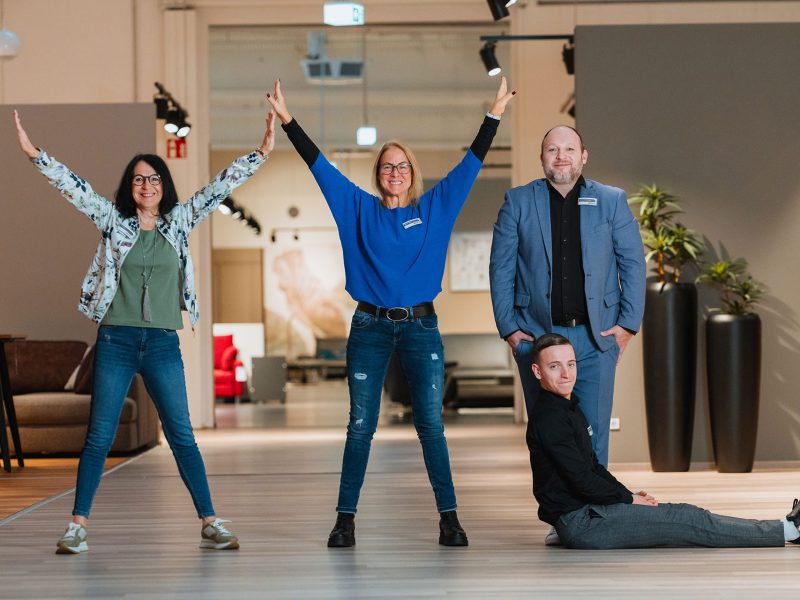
425, 85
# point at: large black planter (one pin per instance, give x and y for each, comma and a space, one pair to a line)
669, 334
733, 356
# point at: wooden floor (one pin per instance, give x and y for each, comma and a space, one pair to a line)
41, 478
279, 488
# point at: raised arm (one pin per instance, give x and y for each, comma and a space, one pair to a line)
205, 201
24, 141
480, 147
306, 148
337, 189
76, 190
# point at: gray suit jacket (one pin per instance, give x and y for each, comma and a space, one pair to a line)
521, 261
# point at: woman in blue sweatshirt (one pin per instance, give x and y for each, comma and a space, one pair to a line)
394, 248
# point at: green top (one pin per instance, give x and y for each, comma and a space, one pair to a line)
151, 257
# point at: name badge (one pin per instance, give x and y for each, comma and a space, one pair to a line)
412, 222
589, 429
587, 201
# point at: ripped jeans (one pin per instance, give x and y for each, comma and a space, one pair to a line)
369, 349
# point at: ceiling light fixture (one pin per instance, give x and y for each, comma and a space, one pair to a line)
490, 60
173, 114
9, 42
499, 8
343, 14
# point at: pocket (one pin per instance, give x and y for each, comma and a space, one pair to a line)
521, 300
611, 298
429, 322
361, 320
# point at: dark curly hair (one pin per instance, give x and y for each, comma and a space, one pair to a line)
124, 198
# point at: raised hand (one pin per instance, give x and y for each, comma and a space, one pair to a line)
269, 135
278, 103
502, 98
24, 141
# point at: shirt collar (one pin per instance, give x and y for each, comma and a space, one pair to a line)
575, 189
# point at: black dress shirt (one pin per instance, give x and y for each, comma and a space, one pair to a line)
568, 296
566, 473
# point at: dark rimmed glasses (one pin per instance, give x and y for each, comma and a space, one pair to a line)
403, 168
154, 180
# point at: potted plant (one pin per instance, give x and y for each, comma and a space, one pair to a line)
733, 359
669, 329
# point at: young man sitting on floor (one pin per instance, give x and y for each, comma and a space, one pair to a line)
588, 507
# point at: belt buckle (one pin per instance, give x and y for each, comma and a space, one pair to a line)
404, 318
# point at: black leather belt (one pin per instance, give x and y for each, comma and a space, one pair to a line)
398, 313
574, 322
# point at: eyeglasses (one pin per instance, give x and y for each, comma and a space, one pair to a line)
403, 168
154, 180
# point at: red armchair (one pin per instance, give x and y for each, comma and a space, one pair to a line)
225, 363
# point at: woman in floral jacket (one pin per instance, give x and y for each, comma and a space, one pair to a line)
139, 281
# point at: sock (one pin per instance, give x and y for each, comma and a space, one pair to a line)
790, 531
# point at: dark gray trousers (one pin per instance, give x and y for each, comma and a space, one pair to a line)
596, 527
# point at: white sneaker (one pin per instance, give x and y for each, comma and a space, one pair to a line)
215, 536
552, 539
73, 541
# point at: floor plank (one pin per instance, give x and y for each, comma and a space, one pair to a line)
279, 486
40, 478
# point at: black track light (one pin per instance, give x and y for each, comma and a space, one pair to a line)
162, 107
490, 60
499, 8
173, 120
568, 55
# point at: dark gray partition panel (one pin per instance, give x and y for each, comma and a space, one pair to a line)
46, 245
712, 112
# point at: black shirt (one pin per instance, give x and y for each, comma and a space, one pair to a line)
568, 297
566, 472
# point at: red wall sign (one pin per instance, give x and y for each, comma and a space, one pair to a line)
176, 148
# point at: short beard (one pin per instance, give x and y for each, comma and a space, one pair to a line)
562, 177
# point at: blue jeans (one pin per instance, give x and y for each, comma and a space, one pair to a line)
419, 348
594, 386
595, 527
120, 353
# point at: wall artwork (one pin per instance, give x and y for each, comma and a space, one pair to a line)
304, 296
469, 261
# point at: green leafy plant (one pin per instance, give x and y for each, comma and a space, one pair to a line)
739, 291
669, 244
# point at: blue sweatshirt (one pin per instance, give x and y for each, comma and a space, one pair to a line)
394, 257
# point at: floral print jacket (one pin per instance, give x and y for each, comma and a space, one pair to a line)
119, 234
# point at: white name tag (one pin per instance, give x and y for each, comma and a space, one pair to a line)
412, 222
589, 429
587, 201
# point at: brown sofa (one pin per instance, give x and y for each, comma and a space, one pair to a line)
52, 419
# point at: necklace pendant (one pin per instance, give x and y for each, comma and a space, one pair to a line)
146, 314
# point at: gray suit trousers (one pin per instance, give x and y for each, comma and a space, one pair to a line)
596, 527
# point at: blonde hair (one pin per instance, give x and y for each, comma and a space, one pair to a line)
415, 191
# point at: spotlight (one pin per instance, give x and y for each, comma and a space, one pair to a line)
499, 8
225, 207
511, 2
174, 120
162, 107
489, 59
568, 56
184, 127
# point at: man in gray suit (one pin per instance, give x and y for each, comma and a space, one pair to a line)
567, 258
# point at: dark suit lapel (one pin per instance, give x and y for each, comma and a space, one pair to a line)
541, 200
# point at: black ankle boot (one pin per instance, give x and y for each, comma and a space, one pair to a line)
450, 531
343, 534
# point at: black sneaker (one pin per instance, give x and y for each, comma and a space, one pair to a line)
343, 534
450, 531
794, 517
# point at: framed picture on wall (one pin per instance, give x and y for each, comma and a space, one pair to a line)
469, 261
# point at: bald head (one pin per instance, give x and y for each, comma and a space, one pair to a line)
568, 128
